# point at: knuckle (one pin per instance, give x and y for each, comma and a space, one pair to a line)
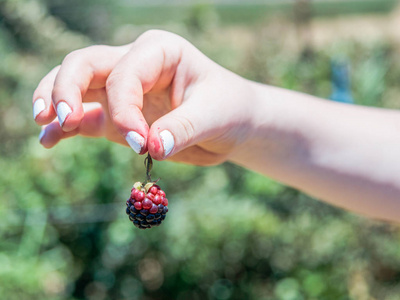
113, 79
81, 54
56, 92
121, 83
187, 127
122, 118
158, 36
72, 56
95, 48
118, 117
153, 33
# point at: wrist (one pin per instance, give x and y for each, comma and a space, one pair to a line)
275, 145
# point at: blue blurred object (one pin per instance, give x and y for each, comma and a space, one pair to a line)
341, 91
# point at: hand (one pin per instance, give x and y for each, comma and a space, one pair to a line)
159, 94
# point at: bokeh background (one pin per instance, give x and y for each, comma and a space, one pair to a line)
230, 233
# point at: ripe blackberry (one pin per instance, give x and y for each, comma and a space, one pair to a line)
147, 204
146, 213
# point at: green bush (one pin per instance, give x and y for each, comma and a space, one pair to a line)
230, 233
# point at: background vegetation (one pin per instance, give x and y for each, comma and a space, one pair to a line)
230, 233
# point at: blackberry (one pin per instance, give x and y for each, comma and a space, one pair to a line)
147, 205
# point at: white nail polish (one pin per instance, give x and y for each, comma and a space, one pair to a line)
41, 134
168, 141
63, 110
135, 140
38, 107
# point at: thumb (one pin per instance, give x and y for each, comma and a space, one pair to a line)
175, 131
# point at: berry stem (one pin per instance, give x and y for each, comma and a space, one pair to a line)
148, 162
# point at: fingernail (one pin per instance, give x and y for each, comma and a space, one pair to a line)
135, 140
38, 107
41, 134
63, 110
168, 141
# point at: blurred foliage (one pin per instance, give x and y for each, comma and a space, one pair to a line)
230, 233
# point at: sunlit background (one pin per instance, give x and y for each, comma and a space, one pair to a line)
230, 233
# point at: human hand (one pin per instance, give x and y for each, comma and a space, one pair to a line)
159, 94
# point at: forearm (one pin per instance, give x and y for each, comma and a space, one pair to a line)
346, 155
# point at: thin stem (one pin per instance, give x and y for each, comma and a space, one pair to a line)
148, 162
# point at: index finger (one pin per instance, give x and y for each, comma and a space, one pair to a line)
150, 64
82, 69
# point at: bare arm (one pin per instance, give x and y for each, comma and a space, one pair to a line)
343, 154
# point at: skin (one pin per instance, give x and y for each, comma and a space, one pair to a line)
345, 155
